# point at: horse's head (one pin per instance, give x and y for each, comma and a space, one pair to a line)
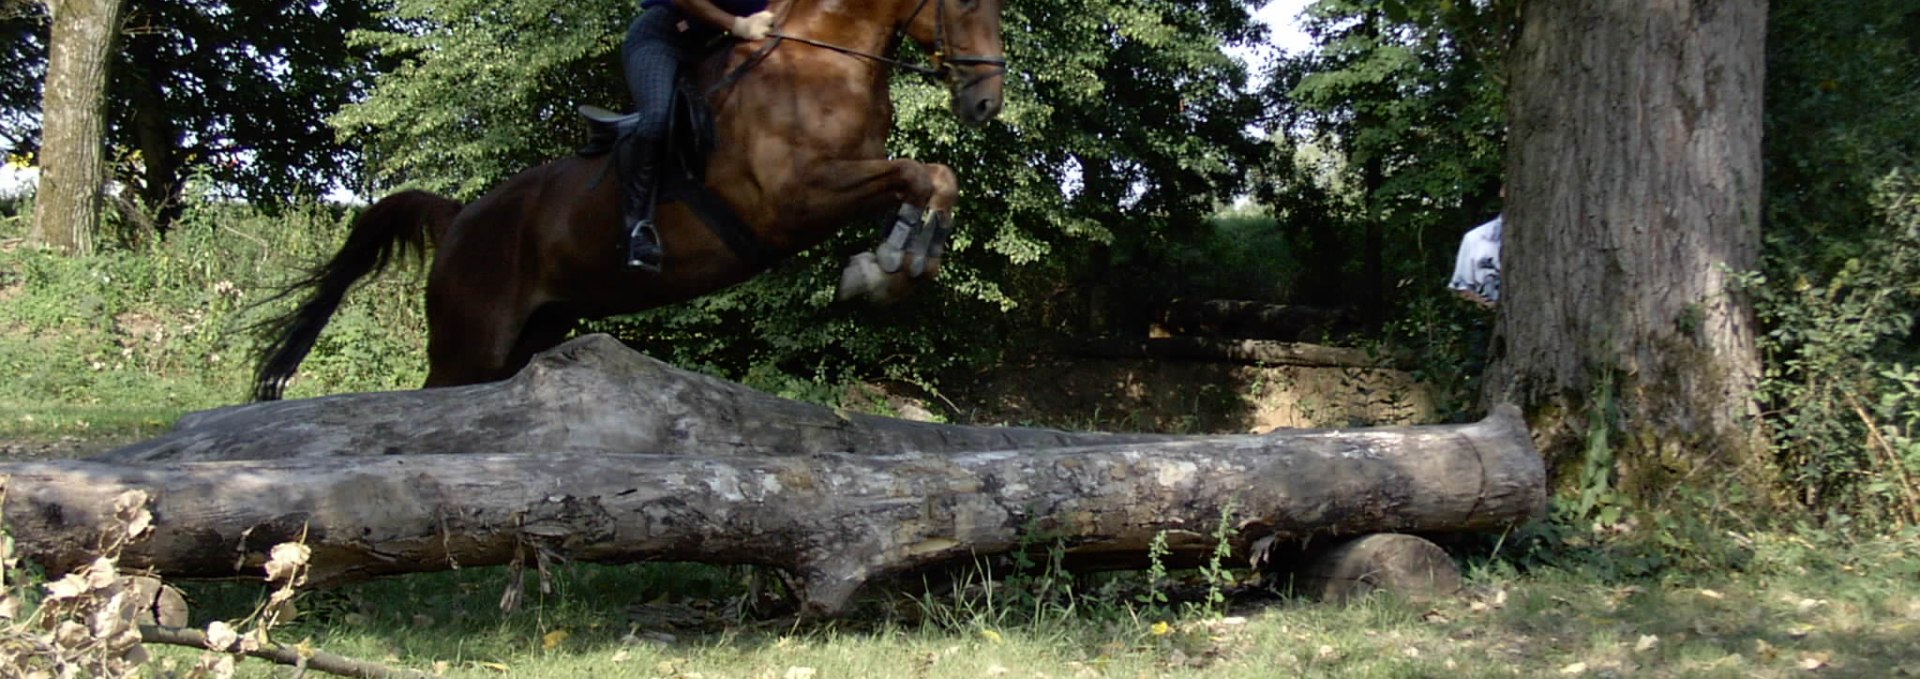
965, 38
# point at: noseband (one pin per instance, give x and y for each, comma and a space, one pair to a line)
942, 62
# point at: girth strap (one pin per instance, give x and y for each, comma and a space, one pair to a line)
722, 221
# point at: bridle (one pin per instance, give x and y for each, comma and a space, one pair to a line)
942, 62
940, 58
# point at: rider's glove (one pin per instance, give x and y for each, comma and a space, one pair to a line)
753, 27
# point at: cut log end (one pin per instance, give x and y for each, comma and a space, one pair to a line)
1406, 566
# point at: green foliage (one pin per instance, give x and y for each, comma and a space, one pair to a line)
482, 90
1390, 144
1841, 370
1842, 111
1155, 598
1132, 104
1842, 255
233, 92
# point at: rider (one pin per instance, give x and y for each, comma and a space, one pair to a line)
666, 33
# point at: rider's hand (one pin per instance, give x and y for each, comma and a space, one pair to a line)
753, 27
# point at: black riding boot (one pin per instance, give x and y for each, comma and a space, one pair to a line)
637, 159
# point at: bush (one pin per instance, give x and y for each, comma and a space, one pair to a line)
1841, 382
166, 323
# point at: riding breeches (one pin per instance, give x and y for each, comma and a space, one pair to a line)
651, 55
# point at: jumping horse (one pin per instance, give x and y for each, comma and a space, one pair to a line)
799, 123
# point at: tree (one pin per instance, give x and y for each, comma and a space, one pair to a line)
72, 157
1634, 173
235, 93
1406, 95
238, 93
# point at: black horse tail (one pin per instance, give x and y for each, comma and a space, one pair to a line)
407, 223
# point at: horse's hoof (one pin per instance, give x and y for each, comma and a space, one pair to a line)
863, 277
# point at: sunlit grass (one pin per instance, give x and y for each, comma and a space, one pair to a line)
1859, 617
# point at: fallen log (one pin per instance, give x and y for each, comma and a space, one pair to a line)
592, 394
833, 520
1246, 319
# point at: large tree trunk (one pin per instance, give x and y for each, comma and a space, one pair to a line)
1634, 169
73, 119
836, 520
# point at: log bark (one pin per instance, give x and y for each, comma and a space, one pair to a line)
592, 394
835, 520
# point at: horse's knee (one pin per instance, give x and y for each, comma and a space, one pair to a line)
945, 185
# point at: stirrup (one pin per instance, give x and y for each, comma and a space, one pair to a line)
643, 247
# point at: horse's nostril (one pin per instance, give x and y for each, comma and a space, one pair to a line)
985, 107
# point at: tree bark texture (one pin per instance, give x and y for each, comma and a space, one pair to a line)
73, 124
835, 520
590, 395
1634, 171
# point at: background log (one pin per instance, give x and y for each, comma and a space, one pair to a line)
1404, 565
1247, 319
1258, 352
835, 520
592, 394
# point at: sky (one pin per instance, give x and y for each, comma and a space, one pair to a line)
1277, 14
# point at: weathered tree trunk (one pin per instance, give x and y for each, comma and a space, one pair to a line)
73, 114
835, 520
1634, 169
592, 394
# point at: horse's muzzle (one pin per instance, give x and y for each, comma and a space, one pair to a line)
977, 95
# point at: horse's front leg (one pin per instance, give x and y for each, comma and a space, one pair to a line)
917, 240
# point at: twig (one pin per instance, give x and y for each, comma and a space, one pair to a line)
284, 655
1879, 442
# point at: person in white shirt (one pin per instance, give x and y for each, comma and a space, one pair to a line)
1476, 270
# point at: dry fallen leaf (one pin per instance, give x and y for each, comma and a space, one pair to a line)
66, 588
1814, 661
1712, 594
799, 673
220, 636
1646, 643
285, 560
1576, 668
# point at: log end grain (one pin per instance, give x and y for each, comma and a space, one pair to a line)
1406, 566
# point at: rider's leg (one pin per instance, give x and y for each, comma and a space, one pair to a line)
650, 58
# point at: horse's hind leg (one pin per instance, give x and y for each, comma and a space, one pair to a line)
472, 331
545, 329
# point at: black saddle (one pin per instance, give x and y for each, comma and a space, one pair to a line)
682, 171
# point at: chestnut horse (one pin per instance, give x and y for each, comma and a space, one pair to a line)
800, 128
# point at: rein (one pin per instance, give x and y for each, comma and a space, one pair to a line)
941, 61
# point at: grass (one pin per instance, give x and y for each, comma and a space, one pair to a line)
113, 348
1836, 609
